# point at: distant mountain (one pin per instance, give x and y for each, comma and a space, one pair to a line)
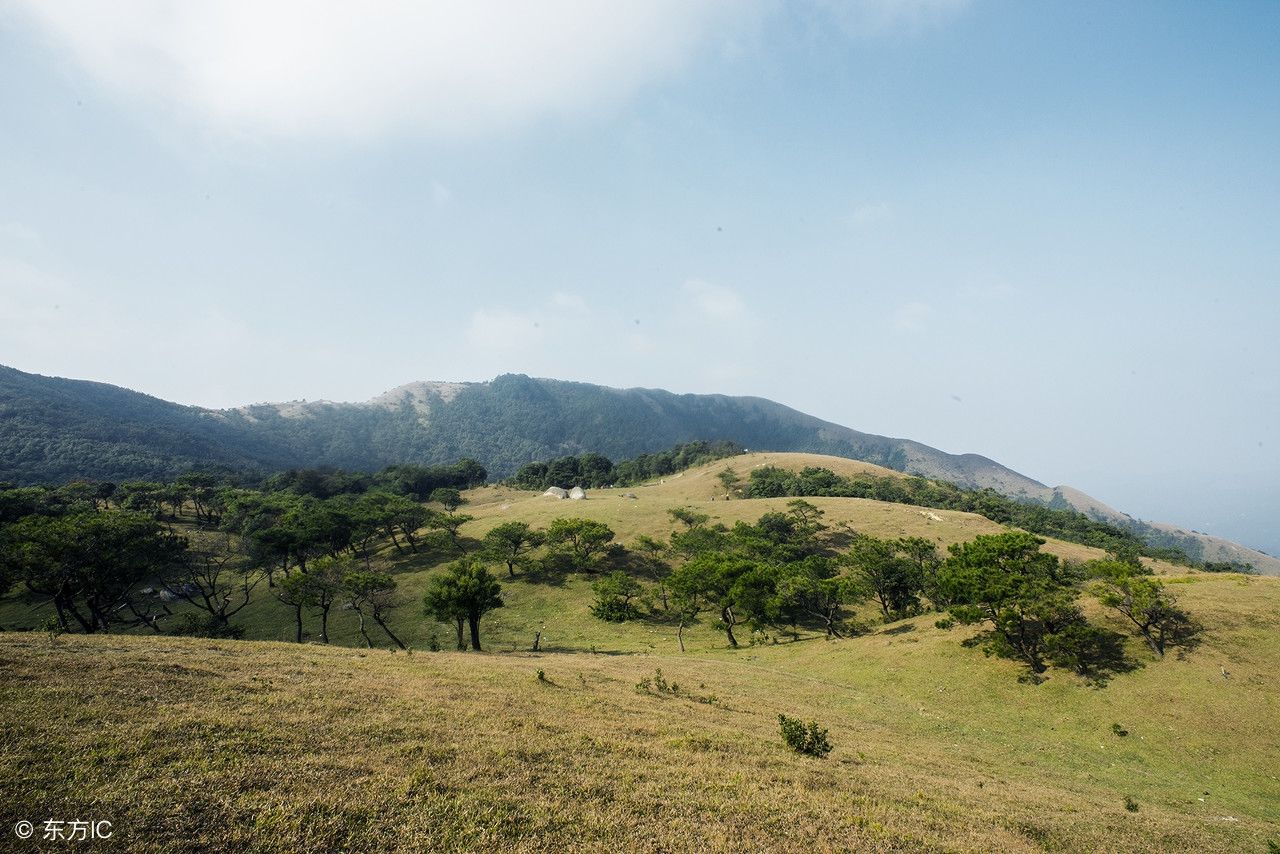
53, 430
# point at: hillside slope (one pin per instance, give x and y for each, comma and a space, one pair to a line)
190, 745
203, 745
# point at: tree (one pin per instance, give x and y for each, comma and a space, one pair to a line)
449, 497
922, 553
216, 579
291, 592
510, 543
449, 525
374, 593
811, 588
650, 552
614, 593
406, 515
1006, 580
891, 580
90, 564
688, 599
729, 479
1143, 601
319, 587
714, 580
583, 540
688, 516
467, 591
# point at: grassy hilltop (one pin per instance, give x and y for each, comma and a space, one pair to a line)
193, 744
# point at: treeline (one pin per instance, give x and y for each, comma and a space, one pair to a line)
109, 556
788, 569
593, 470
1069, 525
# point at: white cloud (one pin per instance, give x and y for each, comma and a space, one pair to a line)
300, 68
570, 303
19, 234
716, 302
912, 316
440, 194
868, 214
499, 329
870, 18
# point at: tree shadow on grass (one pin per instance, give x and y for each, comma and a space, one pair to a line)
1095, 654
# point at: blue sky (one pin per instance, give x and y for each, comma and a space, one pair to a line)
1041, 232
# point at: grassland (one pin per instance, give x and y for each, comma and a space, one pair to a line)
190, 744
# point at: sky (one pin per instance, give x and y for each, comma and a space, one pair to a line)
1048, 233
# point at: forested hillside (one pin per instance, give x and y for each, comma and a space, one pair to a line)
55, 430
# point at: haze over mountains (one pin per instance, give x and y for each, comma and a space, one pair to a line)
54, 429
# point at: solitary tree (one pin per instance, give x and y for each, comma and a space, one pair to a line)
728, 478
1006, 580
689, 517
465, 591
373, 593
583, 540
449, 497
1143, 600
510, 543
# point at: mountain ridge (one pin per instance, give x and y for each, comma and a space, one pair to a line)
55, 429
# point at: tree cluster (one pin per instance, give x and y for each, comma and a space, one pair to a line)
1062, 523
592, 470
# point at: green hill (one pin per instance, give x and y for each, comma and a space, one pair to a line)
192, 744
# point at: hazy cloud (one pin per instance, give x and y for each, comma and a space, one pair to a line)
440, 194
499, 329
868, 214
716, 302
298, 68
862, 18
912, 316
567, 302
15, 233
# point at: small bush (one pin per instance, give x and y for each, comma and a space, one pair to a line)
1130, 804
542, 675
1119, 730
946, 624
811, 740
657, 684
53, 629
204, 627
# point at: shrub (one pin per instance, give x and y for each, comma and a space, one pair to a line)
1119, 730
614, 595
810, 740
946, 624
1130, 804
209, 626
